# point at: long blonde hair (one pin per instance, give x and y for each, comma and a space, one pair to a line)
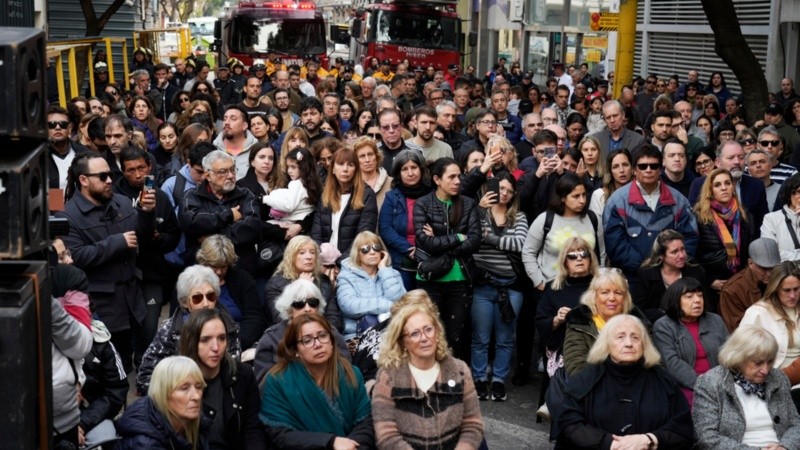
705, 214
393, 352
572, 244
167, 376
286, 266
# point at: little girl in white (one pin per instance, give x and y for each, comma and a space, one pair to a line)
298, 199
595, 122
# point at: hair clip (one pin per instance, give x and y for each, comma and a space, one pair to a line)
299, 157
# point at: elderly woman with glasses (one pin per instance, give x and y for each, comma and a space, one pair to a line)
416, 372
367, 285
299, 297
197, 288
624, 399
313, 397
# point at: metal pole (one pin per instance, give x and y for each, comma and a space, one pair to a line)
626, 42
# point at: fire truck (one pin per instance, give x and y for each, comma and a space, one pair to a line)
289, 28
425, 32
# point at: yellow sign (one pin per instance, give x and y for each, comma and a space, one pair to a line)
593, 56
595, 42
603, 21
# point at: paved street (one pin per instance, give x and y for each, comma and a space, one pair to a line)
512, 424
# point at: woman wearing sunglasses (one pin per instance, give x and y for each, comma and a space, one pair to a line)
300, 297
197, 288
367, 285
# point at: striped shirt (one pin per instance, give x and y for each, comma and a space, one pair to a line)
493, 254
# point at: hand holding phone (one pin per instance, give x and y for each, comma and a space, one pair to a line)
493, 185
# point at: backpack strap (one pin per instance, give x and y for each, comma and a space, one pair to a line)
548, 224
791, 229
179, 190
593, 218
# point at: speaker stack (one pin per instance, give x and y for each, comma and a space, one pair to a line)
25, 335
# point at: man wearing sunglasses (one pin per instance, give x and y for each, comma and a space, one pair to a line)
62, 150
104, 234
769, 140
773, 115
636, 213
391, 142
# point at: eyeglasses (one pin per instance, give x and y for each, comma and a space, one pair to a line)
55, 124
375, 136
705, 163
416, 335
224, 172
103, 176
583, 254
394, 126
300, 304
661, 85
366, 248
203, 90
113, 92
435, 98
748, 141
766, 143
184, 99
488, 123
197, 299
651, 166
323, 337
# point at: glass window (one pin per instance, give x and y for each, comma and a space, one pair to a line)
262, 30
414, 30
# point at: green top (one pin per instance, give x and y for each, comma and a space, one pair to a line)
455, 274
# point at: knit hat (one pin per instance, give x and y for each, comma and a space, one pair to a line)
471, 114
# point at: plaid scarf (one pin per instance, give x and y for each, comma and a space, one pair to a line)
749, 387
729, 217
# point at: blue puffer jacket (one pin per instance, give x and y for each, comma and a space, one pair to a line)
393, 226
144, 427
631, 226
360, 294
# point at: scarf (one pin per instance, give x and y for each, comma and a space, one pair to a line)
414, 192
749, 387
599, 322
152, 141
728, 216
293, 400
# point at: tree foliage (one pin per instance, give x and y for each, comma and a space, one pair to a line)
731, 46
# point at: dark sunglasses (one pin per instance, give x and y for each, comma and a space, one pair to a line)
198, 298
374, 135
112, 92
583, 254
300, 304
651, 166
104, 176
748, 141
366, 248
766, 143
61, 123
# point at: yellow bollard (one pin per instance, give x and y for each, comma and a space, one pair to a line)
626, 42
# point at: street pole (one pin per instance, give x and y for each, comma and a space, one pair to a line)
626, 42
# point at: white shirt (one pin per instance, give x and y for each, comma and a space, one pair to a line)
425, 378
336, 216
758, 430
63, 166
651, 198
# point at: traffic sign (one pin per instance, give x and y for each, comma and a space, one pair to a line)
595, 42
604, 21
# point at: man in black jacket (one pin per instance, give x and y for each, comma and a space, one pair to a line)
218, 206
104, 234
62, 149
156, 274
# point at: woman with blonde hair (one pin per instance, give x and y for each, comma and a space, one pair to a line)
313, 398
301, 259
624, 398
778, 312
724, 231
414, 358
367, 285
169, 417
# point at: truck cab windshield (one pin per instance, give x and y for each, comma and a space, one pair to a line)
262, 31
414, 30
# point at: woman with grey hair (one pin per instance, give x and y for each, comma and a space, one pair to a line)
198, 288
301, 296
745, 402
409, 182
624, 398
238, 293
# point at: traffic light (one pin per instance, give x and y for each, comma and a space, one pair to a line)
594, 21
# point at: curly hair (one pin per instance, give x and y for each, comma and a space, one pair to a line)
393, 352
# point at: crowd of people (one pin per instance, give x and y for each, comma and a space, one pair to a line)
358, 257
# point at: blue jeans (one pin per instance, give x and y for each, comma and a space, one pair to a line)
485, 315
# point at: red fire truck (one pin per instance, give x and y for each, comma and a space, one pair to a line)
425, 32
290, 28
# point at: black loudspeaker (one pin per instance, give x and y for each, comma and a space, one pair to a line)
25, 355
22, 83
23, 198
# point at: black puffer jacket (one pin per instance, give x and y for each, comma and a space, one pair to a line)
352, 222
711, 251
429, 210
244, 292
278, 283
144, 427
241, 403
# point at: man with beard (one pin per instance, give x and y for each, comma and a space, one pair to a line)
431, 148
311, 121
166, 91
62, 150
104, 233
252, 93
236, 139
282, 105
119, 131
218, 206
368, 85
285, 80
446, 112
156, 274
751, 192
